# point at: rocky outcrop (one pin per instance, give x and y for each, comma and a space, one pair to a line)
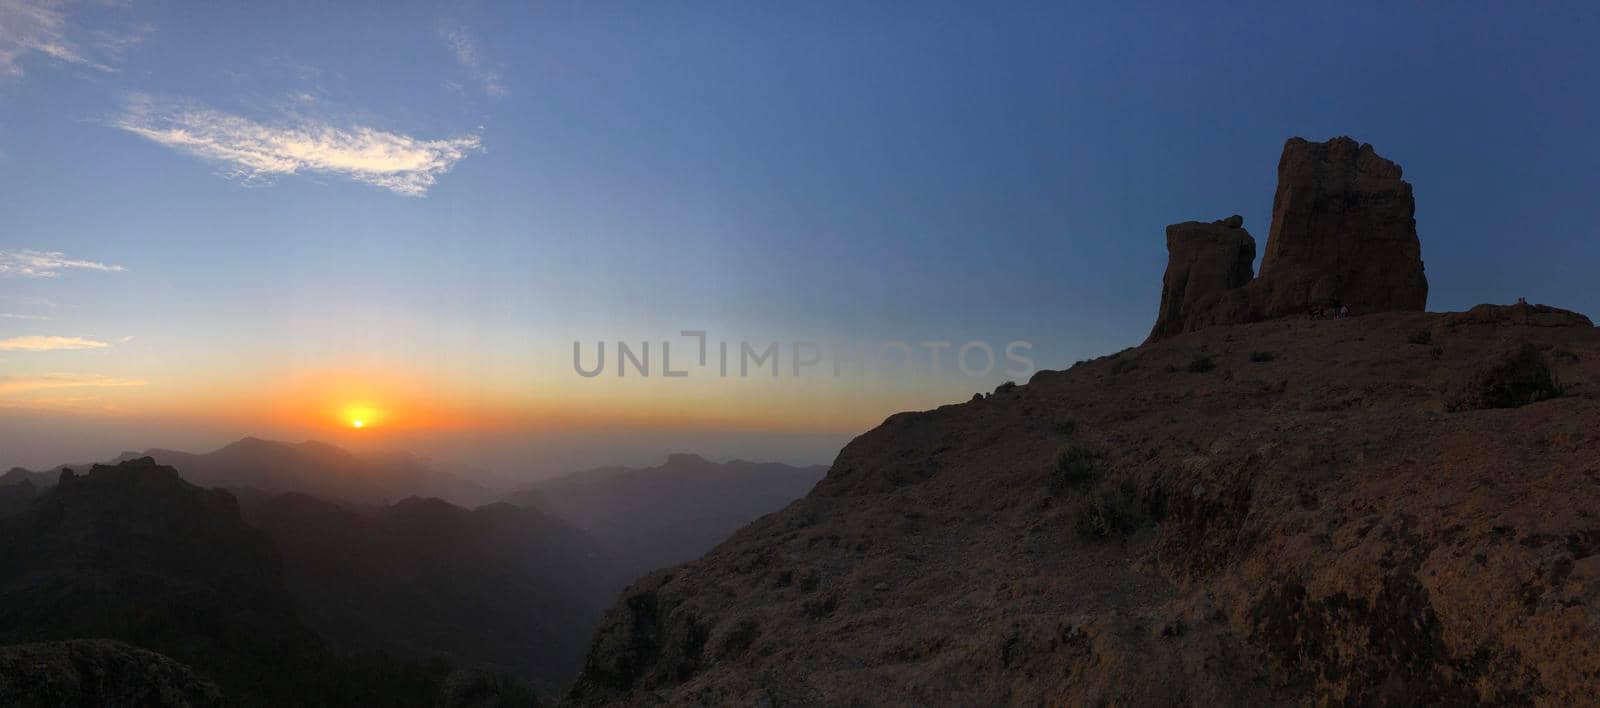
1343, 233
1521, 314
16, 497
132, 552
1204, 262
98, 672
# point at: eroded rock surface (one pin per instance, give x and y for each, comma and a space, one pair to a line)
99, 672
1204, 262
1343, 233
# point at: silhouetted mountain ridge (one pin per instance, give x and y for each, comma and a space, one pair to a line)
269, 467
658, 516
501, 585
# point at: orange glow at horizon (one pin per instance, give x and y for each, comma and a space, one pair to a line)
393, 403
361, 416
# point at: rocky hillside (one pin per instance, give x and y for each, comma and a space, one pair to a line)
99, 672
1257, 507
135, 553
132, 552
1298, 511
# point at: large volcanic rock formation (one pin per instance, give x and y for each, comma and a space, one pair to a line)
1343, 233
1206, 263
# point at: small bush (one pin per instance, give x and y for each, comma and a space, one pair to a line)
1067, 427
1517, 376
1261, 357
1201, 364
1107, 512
1075, 465
1421, 336
1123, 366
1437, 352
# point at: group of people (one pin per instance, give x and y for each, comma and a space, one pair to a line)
1331, 312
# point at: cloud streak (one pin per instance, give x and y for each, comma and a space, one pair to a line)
28, 263
29, 27
254, 151
26, 384
36, 343
468, 56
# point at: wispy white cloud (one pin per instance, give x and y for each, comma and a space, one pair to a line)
38, 343
24, 384
29, 263
256, 151
125, 340
20, 316
44, 27
471, 59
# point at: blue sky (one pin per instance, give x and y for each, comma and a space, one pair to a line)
457, 192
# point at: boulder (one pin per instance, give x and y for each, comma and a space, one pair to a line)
1204, 262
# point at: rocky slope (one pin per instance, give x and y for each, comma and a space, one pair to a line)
99, 672
1289, 511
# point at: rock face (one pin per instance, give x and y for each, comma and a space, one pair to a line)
1204, 262
1343, 233
98, 672
134, 553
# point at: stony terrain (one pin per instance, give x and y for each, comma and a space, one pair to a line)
98, 672
1322, 515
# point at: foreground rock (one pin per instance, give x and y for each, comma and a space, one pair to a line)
1343, 234
98, 672
1304, 520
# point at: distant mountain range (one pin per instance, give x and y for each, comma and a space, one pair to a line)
268, 467
279, 596
660, 516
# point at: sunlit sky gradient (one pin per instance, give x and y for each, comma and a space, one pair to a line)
271, 213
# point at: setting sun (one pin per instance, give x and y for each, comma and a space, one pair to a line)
361, 416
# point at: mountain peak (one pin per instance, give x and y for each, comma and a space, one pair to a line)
683, 459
